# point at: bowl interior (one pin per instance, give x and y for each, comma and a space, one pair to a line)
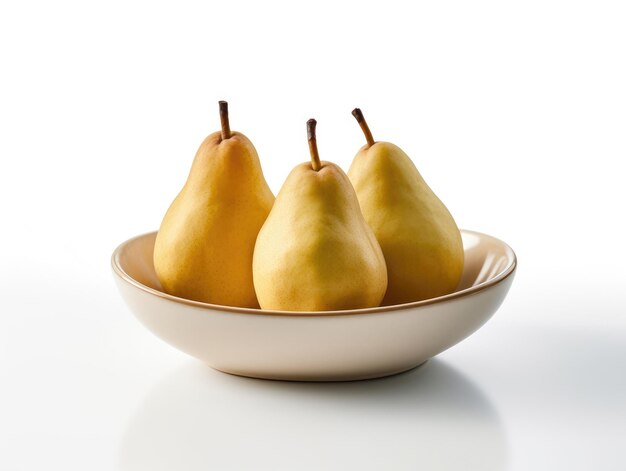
487, 260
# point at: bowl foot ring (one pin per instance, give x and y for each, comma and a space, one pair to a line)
295, 379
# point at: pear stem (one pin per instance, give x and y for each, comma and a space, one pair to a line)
356, 112
315, 156
224, 119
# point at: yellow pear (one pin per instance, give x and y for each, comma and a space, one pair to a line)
204, 248
419, 238
315, 252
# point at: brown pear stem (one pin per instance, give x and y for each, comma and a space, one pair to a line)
315, 156
356, 112
224, 119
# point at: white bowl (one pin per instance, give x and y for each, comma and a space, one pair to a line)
318, 346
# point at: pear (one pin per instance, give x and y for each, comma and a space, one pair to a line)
315, 252
419, 238
204, 248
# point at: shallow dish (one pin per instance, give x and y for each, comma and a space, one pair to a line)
317, 346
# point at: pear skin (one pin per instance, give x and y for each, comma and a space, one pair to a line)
315, 252
419, 238
204, 247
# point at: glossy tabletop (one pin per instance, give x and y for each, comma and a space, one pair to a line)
83, 379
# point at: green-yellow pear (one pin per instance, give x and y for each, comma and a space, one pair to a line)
419, 238
315, 252
204, 248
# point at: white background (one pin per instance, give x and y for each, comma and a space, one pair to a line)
515, 113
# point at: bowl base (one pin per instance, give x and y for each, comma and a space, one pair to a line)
316, 379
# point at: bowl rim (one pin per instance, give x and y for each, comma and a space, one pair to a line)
501, 276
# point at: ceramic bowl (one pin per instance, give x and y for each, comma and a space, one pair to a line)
317, 346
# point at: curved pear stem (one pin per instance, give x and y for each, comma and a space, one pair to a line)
315, 156
224, 119
356, 112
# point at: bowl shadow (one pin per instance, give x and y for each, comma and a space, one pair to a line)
432, 417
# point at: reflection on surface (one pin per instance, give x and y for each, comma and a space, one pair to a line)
431, 417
